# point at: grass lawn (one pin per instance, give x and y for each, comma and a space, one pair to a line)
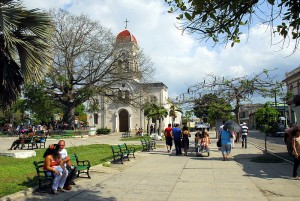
135, 138
19, 174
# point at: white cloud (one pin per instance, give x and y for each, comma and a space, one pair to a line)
180, 60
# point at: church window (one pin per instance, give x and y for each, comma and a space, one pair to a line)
153, 99
120, 94
127, 95
120, 66
126, 65
298, 87
96, 118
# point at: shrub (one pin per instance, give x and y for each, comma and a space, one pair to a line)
103, 131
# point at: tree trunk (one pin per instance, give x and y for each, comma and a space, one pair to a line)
148, 126
69, 116
159, 127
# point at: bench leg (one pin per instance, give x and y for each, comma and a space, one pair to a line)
88, 173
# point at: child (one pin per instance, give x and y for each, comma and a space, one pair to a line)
205, 141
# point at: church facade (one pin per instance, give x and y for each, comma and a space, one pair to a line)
128, 114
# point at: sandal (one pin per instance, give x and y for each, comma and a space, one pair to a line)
61, 190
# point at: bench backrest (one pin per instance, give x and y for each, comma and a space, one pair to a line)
39, 169
123, 147
115, 148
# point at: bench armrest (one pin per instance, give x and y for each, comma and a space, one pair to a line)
84, 163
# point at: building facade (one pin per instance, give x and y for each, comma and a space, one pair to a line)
125, 113
292, 80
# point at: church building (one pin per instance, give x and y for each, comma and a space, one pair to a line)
122, 116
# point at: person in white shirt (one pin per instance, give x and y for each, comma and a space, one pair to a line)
244, 135
72, 169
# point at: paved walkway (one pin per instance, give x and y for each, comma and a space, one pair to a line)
158, 175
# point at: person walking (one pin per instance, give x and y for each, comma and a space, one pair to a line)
296, 150
232, 138
176, 132
225, 144
244, 135
185, 140
169, 138
53, 164
71, 168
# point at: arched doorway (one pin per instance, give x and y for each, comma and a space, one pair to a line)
123, 121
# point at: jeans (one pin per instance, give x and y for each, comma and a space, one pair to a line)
177, 143
71, 176
60, 179
244, 141
296, 165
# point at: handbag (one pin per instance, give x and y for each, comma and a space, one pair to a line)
219, 144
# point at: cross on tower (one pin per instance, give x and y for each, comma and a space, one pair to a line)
126, 23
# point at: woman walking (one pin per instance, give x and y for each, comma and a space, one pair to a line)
296, 150
185, 140
226, 143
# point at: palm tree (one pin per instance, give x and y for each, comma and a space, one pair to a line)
24, 48
174, 108
152, 111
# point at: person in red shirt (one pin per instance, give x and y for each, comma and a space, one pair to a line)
169, 137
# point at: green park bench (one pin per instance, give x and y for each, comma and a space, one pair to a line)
83, 166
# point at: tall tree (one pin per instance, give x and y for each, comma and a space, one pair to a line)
236, 90
24, 48
222, 21
85, 63
266, 120
212, 107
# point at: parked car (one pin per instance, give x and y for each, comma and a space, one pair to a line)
203, 125
279, 131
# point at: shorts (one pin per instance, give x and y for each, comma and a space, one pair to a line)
226, 148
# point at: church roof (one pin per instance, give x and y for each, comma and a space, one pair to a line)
125, 36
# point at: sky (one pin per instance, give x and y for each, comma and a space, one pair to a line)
180, 60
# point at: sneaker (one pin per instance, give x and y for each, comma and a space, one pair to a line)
73, 183
296, 178
53, 191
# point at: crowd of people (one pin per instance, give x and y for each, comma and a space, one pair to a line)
181, 139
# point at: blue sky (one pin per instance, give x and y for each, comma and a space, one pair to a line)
179, 59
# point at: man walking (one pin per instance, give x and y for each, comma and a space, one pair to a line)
176, 132
244, 135
72, 169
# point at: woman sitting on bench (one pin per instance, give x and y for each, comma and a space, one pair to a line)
54, 163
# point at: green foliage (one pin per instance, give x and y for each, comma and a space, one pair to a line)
25, 48
213, 107
40, 103
221, 21
219, 111
154, 111
80, 110
21, 174
289, 95
104, 131
135, 138
266, 118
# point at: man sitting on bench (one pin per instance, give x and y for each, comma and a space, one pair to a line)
71, 168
